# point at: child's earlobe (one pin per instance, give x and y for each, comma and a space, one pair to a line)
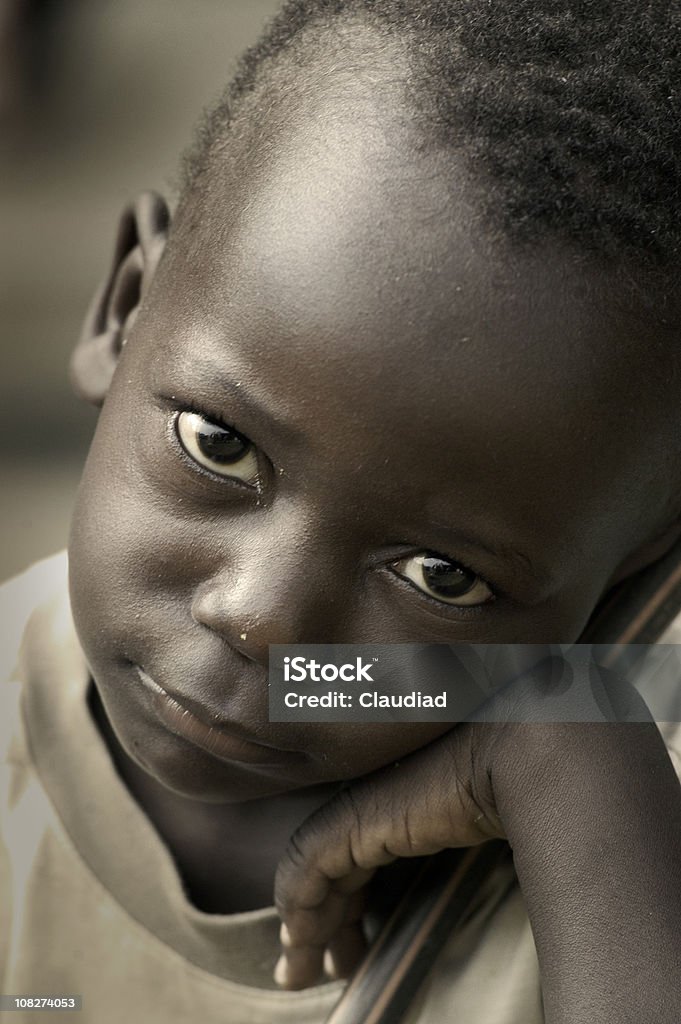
142, 234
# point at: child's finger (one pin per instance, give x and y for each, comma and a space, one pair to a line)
345, 951
299, 964
307, 931
347, 946
314, 926
315, 881
299, 967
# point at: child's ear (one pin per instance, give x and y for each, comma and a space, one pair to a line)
142, 234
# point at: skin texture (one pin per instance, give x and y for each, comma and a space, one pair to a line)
409, 387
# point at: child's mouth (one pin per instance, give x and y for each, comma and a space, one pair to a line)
224, 739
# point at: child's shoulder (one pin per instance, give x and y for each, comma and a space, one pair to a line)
20, 596
40, 590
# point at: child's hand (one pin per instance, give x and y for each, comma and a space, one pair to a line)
593, 813
397, 812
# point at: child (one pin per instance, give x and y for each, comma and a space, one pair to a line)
403, 368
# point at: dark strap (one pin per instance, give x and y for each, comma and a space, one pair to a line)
637, 611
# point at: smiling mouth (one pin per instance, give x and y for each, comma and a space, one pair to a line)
223, 741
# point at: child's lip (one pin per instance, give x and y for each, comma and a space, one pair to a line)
224, 739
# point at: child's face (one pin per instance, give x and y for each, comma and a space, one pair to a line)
403, 395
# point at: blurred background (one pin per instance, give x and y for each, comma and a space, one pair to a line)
97, 100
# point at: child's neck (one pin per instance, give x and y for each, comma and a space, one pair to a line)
226, 854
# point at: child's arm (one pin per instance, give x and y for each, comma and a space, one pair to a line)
593, 813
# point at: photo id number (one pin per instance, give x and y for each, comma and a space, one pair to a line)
49, 1002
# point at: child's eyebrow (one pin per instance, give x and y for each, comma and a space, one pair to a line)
224, 389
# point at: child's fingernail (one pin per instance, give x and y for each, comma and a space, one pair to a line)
284, 936
281, 971
330, 966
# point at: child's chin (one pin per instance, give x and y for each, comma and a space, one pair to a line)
195, 775
238, 789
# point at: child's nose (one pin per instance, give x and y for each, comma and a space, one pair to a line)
280, 587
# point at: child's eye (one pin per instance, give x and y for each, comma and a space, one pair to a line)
443, 580
217, 447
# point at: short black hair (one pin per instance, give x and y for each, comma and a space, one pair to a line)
568, 110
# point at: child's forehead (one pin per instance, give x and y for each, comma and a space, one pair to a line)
330, 173
321, 245
321, 209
